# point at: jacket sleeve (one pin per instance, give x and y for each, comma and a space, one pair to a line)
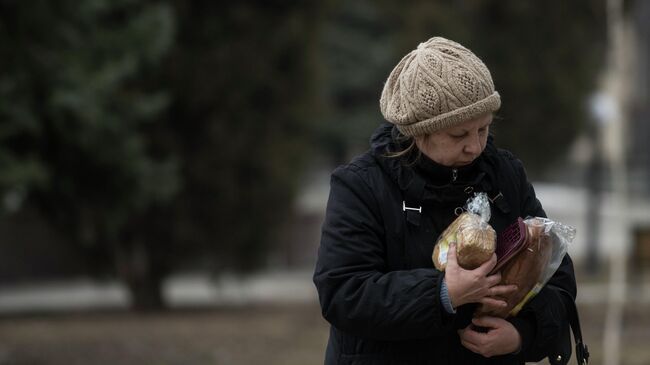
357, 293
543, 320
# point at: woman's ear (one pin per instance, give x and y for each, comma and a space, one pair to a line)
420, 141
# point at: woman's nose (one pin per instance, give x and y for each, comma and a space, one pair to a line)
473, 145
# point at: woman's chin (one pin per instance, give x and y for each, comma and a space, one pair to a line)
462, 164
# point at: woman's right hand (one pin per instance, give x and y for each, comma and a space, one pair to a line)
474, 286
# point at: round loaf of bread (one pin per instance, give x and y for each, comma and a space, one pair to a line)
475, 242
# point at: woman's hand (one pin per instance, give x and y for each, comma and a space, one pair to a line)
501, 337
474, 286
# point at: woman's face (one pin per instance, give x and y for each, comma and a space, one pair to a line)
458, 145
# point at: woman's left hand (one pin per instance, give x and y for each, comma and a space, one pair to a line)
501, 337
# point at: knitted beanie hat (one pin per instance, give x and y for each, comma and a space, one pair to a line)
437, 85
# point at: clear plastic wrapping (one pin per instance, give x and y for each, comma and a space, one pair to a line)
531, 267
475, 239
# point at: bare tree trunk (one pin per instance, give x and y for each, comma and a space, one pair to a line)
137, 270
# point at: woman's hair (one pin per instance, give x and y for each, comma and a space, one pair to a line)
405, 147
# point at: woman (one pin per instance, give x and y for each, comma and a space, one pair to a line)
377, 286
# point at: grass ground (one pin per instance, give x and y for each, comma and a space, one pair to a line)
283, 335
289, 334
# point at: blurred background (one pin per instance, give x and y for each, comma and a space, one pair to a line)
164, 164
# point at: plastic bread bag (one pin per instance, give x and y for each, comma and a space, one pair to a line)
545, 244
475, 239
560, 237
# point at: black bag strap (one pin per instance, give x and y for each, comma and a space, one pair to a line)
582, 352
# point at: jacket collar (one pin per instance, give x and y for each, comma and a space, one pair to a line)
440, 175
407, 169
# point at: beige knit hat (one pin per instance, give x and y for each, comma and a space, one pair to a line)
437, 85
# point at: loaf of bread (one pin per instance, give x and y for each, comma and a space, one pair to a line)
475, 242
525, 269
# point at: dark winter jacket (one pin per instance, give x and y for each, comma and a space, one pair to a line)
375, 279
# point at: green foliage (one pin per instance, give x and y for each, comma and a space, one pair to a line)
359, 44
73, 111
244, 78
153, 132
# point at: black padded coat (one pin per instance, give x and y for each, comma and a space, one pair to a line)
375, 279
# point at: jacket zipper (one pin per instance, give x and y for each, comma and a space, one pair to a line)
454, 174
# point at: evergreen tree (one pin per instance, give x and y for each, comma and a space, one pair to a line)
244, 77
153, 135
75, 103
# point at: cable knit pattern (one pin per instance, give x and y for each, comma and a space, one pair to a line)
437, 85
